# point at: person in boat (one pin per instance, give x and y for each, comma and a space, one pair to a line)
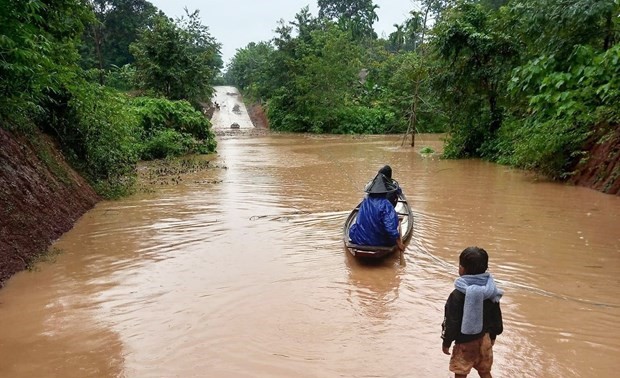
377, 222
472, 316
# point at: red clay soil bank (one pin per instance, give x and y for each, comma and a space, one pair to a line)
600, 170
41, 197
258, 116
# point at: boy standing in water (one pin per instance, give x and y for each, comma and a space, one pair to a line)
472, 317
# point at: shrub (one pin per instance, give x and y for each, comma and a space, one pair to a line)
363, 120
100, 135
172, 128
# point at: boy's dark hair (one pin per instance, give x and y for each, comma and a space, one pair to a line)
474, 260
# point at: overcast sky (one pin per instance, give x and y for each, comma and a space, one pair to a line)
235, 23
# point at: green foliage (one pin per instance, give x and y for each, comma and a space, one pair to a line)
121, 78
564, 107
469, 132
592, 80
318, 82
172, 128
555, 27
427, 151
282, 120
37, 54
354, 16
402, 76
104, 139
250, 70
520, 82
97, 131
177, 60
475, 57
99, 128
408, 35
363, 120
116, 25
166, 143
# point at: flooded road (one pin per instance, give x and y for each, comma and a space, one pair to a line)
240, 271
229, 110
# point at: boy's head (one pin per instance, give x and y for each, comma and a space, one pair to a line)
473, 260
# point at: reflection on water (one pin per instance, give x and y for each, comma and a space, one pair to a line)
240, 271
373, 286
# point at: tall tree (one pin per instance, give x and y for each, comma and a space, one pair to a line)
117, 25
178, 60
475, 57
409, 35
397, 38
355, 16
249, 70
38, 53
314, 78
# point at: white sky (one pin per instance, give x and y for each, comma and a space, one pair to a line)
235, 23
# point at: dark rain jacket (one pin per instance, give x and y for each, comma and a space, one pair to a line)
453, 316
376, 224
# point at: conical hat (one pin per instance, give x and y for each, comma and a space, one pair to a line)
387, 171
380, 184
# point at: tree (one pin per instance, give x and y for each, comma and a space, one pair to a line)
117, 24
409, 35
38, 54
397, 38
475, 57
355, 16
313, 78
178, 60
550, 26
249, 70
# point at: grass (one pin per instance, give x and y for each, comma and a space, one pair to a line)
427, 151
49, 256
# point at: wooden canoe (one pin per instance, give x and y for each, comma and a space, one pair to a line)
376, 252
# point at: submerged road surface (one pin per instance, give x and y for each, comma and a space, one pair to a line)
231, 110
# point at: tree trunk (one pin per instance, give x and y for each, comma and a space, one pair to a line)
98, 39
609, 33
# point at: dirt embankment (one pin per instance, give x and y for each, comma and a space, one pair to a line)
41, 197
600, 169
258, 116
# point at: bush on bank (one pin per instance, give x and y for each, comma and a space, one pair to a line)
172, 128
104, 132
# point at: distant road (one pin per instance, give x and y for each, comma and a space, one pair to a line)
232, 110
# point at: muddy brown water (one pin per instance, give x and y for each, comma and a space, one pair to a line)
240, 271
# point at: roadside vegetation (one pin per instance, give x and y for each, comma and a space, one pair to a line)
528, 83
114, 81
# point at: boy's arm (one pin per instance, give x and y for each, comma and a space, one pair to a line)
451, 326
496, 325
